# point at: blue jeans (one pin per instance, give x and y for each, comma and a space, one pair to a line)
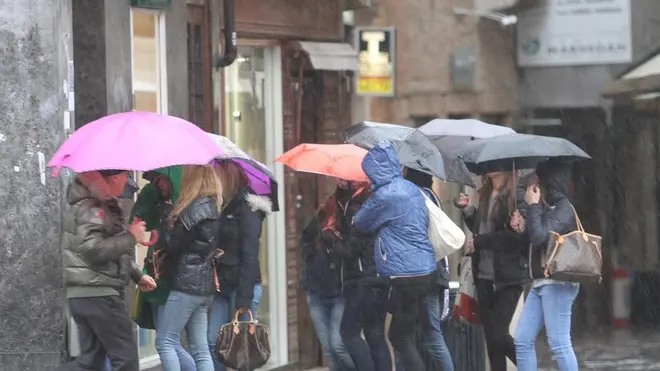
221, 313
183, 311
434, 339
185, 359
550, 306
326, 314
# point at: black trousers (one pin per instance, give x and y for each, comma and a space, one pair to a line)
405, 305
365, 312
105, 329
496, 309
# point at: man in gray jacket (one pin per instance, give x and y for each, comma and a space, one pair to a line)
98, 253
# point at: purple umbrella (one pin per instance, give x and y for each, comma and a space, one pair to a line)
262, 180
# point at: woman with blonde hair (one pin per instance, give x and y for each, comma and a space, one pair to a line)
191, 241
237, 258
499, 263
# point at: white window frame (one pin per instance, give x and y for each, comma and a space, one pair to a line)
163, 108
277, 288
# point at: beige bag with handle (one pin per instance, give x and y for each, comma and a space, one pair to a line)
575, 256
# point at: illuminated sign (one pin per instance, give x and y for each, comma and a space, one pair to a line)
376, 50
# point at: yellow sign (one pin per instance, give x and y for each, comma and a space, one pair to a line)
376, 50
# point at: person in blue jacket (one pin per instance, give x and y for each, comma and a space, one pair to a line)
396, 211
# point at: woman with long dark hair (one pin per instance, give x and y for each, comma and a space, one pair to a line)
322, 279
499, 263
550, 302
237, 258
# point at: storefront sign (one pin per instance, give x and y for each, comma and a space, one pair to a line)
151, 4
575, 32
376, 48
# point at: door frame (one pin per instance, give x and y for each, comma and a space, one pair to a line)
277, 230
151, 361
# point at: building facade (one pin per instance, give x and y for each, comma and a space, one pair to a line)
284, 88
66, 63
447, 65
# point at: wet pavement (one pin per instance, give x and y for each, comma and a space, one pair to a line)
611, 351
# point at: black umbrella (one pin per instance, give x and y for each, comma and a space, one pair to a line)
516, 151
415, 150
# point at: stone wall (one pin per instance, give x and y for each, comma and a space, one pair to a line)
35, 46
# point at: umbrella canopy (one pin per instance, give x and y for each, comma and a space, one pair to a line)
415, 150
135, 140
262, 180
448, 134
338, 160
516, 151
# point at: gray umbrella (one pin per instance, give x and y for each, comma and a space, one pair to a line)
415, 150
516, 151
448, 134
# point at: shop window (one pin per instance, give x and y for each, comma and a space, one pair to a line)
200, 104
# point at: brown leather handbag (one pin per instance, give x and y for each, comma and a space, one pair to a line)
575, 256
243, 345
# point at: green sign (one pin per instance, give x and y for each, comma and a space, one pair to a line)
151, 4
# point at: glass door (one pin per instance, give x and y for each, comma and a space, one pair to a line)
149, 94
253, 120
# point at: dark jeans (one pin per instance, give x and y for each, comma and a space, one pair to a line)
432, 335
496, 309
405, 305
365, 311
104, 328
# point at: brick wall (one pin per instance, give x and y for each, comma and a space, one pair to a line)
427, 32
324, 111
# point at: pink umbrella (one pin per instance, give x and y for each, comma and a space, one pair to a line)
135, 141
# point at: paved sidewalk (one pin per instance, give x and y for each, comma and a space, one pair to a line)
615, 350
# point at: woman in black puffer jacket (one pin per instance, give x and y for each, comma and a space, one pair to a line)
191, 240
237, 258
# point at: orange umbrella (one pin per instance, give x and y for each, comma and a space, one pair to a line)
338, 160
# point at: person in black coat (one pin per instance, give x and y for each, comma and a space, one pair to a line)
322, 274
500, 266
549, 302
436, 308
364, 313
190, 240
237, 258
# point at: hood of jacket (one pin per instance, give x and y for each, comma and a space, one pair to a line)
258, 203
77, 192
174, 173
555, 179
381, 164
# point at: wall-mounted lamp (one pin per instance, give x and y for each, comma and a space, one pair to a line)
501, 18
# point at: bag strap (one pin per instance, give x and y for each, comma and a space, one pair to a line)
577, 220
435, 197
251, 327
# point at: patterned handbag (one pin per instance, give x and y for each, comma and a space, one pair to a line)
243, 345
575, 256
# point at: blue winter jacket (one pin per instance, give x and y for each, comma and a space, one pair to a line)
397, 212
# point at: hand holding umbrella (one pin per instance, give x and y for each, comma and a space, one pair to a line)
138, 229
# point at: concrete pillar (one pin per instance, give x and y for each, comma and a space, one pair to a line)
102, 54
35, 46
